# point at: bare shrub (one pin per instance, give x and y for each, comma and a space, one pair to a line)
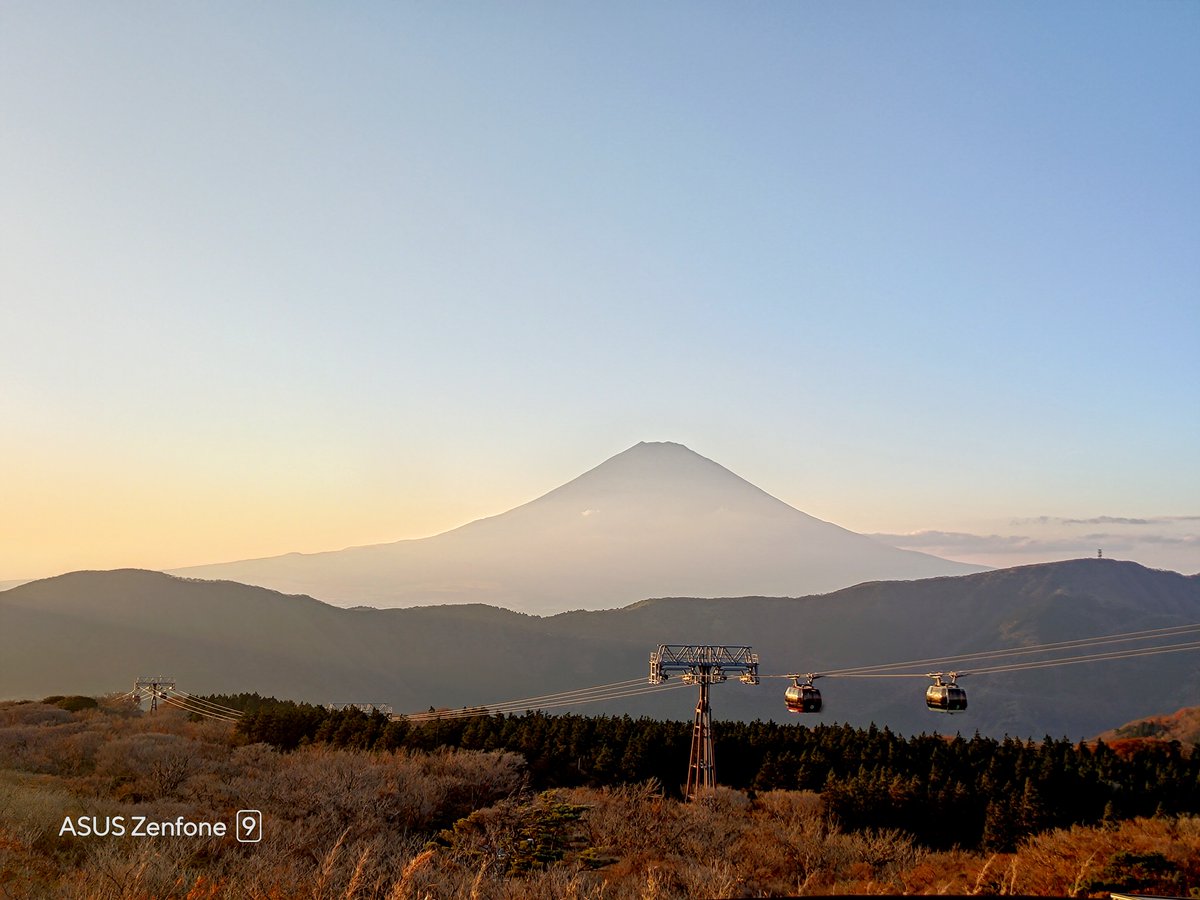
715, 818
1067, 861
628, 819
32, 714
148, 765
32, 810
130, 870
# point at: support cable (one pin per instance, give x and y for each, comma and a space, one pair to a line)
175, 702
548, 699
216, 707
985, 655
1097, 657
1148, 634
516, 707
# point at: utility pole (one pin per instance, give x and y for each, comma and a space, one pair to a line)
702, 665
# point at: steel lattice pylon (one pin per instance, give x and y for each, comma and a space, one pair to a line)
703, 665
157, 684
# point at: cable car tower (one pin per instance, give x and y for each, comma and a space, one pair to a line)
158, 685
703, 665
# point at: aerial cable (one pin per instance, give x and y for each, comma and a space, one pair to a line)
884, 674
173, 702
182, 704
1013, 651
1095, 657
551, 698
230, 714
203, 701
199, 712
208, 703
1108, 656
166, 698
496, 708
1021, 651
478, 713
513, 707
197, 705
588, 690
581, 696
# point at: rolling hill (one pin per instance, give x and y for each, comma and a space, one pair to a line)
91, 632
655, 520
1183, 725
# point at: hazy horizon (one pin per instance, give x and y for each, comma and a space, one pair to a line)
988, 550
296, 278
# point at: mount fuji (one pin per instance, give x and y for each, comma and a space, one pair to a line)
656, 520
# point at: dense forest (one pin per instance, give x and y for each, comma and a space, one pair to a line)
946, 792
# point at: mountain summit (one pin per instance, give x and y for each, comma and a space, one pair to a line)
656, 520
666, 472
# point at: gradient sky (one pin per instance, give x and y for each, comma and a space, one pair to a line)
290, 277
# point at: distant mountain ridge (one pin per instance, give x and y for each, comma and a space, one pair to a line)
91, 632
655, 520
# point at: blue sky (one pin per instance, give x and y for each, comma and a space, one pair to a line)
287, 277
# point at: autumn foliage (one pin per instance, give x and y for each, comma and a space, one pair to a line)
441, 822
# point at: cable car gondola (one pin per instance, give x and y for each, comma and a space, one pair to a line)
945, 696
803, 698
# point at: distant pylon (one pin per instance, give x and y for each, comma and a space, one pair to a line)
157, 685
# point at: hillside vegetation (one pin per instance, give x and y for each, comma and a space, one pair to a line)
451, 822
1182, 725
84, 632
977, 793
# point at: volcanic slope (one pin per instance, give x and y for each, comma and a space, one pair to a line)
655, 520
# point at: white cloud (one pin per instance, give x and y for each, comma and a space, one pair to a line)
1104, 520
1169, 542
981, 543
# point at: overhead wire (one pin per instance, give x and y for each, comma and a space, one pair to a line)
511, 707
638, 686
1094, 657
880, 669
167, 698
216, 707
1147, 634
588, 690
166, 695
191, 704
572, 694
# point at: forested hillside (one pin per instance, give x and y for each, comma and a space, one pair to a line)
94, 632
977, 792
1183, 725
428, 819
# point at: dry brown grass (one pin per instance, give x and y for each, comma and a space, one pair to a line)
344, 825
